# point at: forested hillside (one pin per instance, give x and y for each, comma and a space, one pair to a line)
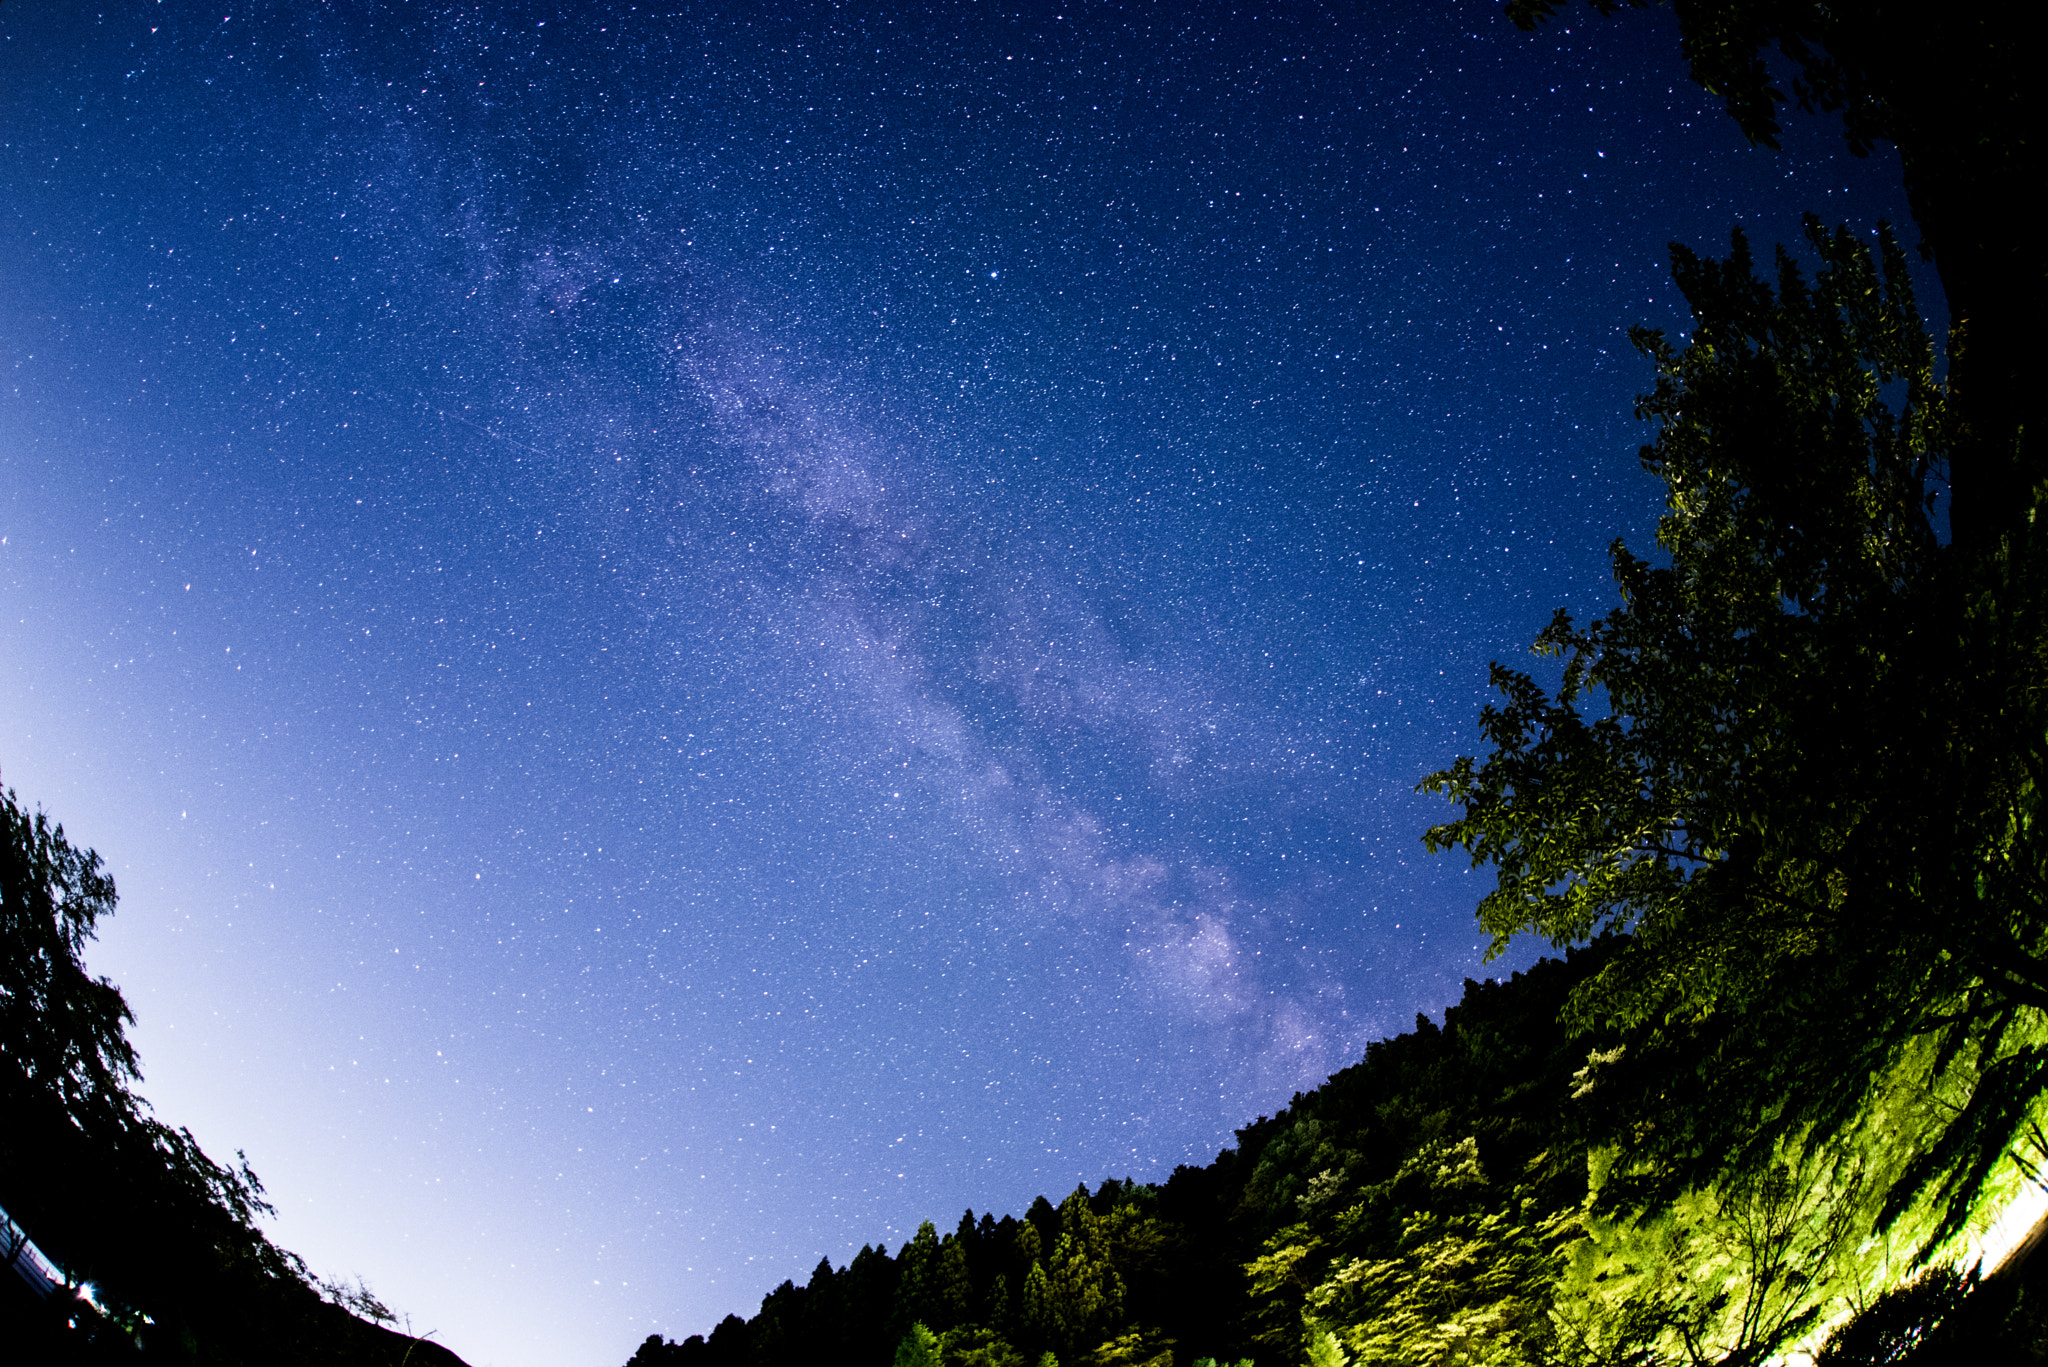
1435, 1203
1397, 1152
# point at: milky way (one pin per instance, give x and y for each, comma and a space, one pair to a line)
698, 634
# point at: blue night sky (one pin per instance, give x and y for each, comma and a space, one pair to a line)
696, 635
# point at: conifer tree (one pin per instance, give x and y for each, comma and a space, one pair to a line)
1038, 1312
952, 1295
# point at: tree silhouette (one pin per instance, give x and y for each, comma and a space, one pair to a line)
1951, 87
118, 1198
1811, 800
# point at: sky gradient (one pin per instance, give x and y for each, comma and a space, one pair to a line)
698, 633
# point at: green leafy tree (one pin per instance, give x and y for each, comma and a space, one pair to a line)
1810, 797
1086, 1287
995, 1306
1468, 1281
932, 1284
979, 1346
1281, 1277
1953, 89
1137, 1348
953, 1285
920, 1346
1027, 1243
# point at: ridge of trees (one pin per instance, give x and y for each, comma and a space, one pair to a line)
165, 1236
1436, 1203
1148, 1275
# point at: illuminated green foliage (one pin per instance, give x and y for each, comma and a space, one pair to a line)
920, 1346
1799, 765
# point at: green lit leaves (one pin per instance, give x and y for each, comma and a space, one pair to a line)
1798, 765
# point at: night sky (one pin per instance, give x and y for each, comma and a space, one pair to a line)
697, 635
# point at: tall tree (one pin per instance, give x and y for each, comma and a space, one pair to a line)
1952, 88
1084, 1281
112, 1192
1812, 800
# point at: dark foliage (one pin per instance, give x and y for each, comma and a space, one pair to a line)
1952, 88
1812, 798
1950, 1318
1334, 1172
116, 1197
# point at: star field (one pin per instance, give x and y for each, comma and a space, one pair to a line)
698, 633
